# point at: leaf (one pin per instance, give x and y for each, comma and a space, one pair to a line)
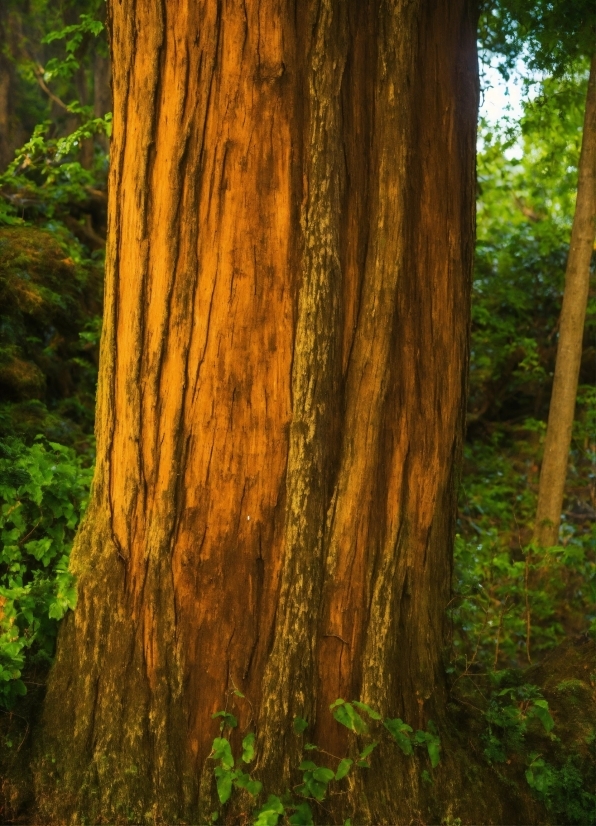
238, 693
245, 781
227, 719
302, 816
344, 767
323, 775
400, 732
540, 710
307, 765
349, 718
434, 751
310, 747
374, 715
364, 764
369, 749
317, 790
248, 748
223, 780
268, 814
222, 751
255, 787
300, 725
214, 816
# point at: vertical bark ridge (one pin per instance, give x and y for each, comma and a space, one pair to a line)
316, 387
426, 384
354, 539
237, 413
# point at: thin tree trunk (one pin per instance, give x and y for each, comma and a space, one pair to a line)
12, 134
102, 92
6, 147
571, 331
281, 399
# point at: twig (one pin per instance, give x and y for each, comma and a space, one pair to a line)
39, 72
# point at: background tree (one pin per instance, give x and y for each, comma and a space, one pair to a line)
571, 334
556, 36
281, 399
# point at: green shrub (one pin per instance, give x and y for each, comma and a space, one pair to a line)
43, 494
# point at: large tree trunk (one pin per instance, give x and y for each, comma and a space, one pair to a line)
281, 400
571, 334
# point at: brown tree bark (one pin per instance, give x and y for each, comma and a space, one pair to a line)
281, 399
12, 134
571, 332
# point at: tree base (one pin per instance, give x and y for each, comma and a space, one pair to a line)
464, 788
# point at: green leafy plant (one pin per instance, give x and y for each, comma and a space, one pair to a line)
43, 494
510, 712
316, 778
226, 774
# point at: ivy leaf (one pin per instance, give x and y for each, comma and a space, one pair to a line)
323, 775
302, 816
434, 748
245, 781
343, 768
300, 725
540, 710
227, 719
268, 814
374, 715
345, 714
400, 732
369, 749
223, 780
248, 748
222, 751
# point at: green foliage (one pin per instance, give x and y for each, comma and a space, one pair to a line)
74, 36
43, 494
57, 179
552, 34
513, 602
45, 181
510, 713
400, 732
562, 789
527, 177
345, 714
317, 780
49, 326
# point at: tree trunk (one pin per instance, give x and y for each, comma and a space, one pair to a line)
12, 134
102, 92
281, 399
571, 332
